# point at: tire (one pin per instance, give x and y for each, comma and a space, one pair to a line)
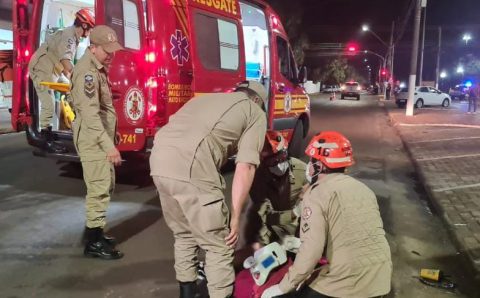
419, 103
296, 144
342, 97
446, 103
400, 105
358, 97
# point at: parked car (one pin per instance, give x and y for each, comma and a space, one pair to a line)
331, 88
351, 89
424, 96
458, 92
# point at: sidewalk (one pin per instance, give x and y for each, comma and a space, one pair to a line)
444, 145
5, 124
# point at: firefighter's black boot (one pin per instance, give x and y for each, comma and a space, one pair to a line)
109, 239
189, 290
98, 247
49, 144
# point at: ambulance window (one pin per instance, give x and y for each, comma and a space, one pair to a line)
217, 43
283, 53
286, 60
122, 16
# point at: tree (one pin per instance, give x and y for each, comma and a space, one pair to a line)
335, 71
471, 65
291, 14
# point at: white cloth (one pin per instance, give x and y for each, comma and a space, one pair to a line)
273, 291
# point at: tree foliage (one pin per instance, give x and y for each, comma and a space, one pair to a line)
291, 14
471, 65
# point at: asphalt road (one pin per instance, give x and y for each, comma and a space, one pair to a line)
42, 206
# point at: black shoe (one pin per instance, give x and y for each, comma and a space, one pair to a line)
49, 144
189, 290
100, 246
109, 239
101, 249
90, 233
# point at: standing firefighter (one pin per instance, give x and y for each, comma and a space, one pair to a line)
341, 222
94, 132
185, 164
275, 193
53, 62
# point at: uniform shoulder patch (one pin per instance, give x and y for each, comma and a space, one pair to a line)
307, 212
89, 86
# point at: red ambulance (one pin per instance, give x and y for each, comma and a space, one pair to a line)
174, 50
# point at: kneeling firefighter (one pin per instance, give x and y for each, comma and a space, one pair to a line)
340, 221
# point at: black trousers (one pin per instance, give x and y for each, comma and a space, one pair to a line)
306, 292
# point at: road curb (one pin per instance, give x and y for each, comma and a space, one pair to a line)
4, 131
470, 260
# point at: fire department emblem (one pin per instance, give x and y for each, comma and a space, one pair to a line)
134, 105
179, 50
288, 103
307, 212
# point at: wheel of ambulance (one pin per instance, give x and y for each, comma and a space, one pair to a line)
296, 144
446, 103
419, 103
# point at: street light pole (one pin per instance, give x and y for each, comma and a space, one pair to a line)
414, 57
391, 53
424, 6
439, 53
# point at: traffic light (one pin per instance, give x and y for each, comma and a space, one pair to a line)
352, 48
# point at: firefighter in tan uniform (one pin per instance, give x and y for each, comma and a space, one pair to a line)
341, 222
52, 62
275, 193
94, 132
185, 164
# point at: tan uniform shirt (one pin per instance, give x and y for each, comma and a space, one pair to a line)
62, 45
95, 123
203, 134
341, 221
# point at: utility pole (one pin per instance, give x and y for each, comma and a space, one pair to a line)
439, 53
424, 7
414, 57
391, 50
390, 58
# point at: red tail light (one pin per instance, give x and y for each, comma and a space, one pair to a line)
26, 53
150, 57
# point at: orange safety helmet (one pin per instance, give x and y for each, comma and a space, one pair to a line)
331, 148
85, 16
275, 149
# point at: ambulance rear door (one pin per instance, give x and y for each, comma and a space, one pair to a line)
129, 72
25, 25
217, 45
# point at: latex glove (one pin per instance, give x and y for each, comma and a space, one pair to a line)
63, 79
273, 291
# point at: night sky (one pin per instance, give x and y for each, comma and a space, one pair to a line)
339, 21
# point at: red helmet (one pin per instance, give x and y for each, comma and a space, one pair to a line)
275, 149
331, 148
86, 16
